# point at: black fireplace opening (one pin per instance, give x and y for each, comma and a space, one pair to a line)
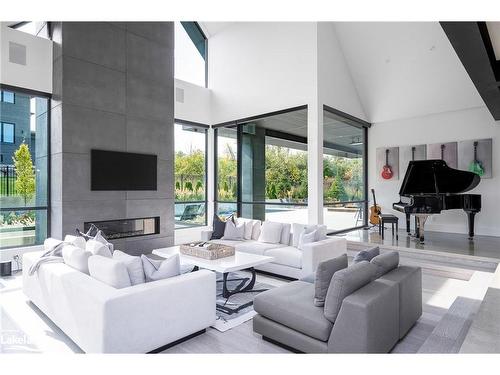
124, 228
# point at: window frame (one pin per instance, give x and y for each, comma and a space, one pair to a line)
364, 125
238, 125
47, 206
202, 34
2, 134
205, 127
13, 97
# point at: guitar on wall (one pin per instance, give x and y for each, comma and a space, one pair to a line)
386, 169
476, 166
374, 211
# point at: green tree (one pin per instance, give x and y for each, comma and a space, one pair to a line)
25, 175
337, 191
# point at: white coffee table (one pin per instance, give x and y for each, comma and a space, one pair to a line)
240, 261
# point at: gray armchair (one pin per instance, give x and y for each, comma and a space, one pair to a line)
368, 308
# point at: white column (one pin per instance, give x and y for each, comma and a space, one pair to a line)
211, 183
315, 161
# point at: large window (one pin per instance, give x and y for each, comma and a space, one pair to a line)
7, 132
190, 53
226, 170
190, 175
24, 170
344, 179
262, 167
7, 97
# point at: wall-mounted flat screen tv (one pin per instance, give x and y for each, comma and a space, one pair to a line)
111, 170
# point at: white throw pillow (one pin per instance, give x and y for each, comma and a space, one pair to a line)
100, 238
161, 269
76, 258
109, 271
256, 230
133, 264
285, 234
306, 238
97, 248
234, 231
298, 229
75, 241
249, 223
321, 233
270, 232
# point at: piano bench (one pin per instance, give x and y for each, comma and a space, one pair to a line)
388, 219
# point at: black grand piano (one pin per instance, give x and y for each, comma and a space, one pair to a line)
430, 186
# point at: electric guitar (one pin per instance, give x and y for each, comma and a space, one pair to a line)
386, 170
374, 211
476, 165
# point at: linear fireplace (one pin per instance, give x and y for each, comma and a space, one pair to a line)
124, 228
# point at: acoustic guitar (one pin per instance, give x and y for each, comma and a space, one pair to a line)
476, 166
386, 169
374, 211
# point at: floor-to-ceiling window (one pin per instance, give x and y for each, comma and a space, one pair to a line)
262, 167
190, 53
344, 171
190, 175
24, 168
226, 188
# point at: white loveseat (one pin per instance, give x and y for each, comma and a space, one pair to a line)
136, 319
289, 261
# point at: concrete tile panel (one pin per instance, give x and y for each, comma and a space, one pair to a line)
149, 59
56, 187
86, 129
56, 216
150, 136
93, 86
56, 129
149, 99
159, 32
97, 42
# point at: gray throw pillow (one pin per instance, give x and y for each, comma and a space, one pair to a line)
344, 283
161, 269
324, 274
218, 227
367, 254
385, 262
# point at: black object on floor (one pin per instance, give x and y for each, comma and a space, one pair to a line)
388, 219
6, 268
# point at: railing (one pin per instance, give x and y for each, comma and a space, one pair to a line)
7, 180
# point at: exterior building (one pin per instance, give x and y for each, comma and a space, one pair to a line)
15, 117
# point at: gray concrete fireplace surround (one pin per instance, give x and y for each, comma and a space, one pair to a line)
113, 90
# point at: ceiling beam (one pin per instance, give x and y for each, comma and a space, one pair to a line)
473, 46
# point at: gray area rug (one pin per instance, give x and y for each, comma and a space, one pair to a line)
238, 308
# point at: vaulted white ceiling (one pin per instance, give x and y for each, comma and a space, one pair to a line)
404, 70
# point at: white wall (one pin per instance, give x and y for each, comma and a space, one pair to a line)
197, 103
405, 69
335, 83
259, 67
475, 123
37, 73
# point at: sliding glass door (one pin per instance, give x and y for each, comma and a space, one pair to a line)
344, 171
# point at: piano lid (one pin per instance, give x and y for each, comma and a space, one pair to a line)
435, 177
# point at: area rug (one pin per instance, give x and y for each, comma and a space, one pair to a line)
238, 308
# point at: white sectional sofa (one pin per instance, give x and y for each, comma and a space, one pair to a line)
289, 260
135, 319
